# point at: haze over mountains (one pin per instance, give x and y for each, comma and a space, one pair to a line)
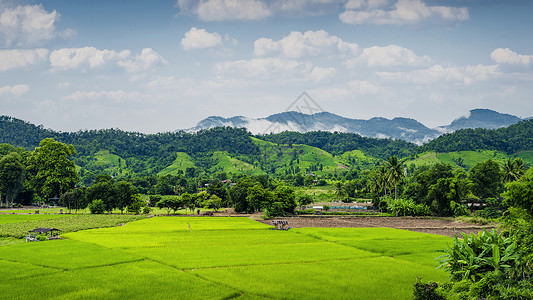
398, 128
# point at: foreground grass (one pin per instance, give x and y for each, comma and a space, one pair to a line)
218, 258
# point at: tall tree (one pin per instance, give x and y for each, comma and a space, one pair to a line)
11, 176
395, 172
487, 178
50, 168
513, 170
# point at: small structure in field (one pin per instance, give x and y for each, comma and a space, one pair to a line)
50, 233
281, 224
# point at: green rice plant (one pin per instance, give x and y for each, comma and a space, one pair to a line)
362, 278
16, 218
138, 280
66, 224
64, 254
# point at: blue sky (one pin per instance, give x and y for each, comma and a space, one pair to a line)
154, 66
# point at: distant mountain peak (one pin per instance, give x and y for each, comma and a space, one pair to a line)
407, 129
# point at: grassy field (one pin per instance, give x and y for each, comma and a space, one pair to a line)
220, 258
182, 162
465, 159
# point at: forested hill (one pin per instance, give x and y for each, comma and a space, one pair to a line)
338, 143
512, 139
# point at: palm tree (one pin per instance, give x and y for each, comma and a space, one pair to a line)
395, 172
513, 169
339, 189
383, 180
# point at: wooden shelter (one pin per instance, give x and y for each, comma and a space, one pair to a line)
54, 232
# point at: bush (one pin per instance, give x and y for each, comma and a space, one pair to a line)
407, 207
136, 204
97, 207
326, 207
153, 199
146, 210
488, 213
274, 210
41, 238
426, 291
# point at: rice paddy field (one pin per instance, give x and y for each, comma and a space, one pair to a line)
220, 258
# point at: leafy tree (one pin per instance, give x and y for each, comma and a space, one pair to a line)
258, 197
103, 189
285, 195
124, 194
214, 202
50, 168
304, 200
136, 204
11, 176
448, 193
97, 207
74, 199
239, 192
395, 172
487, 179
520, 193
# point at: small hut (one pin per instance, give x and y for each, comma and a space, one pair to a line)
51, 233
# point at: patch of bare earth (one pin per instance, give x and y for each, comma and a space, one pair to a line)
441, 226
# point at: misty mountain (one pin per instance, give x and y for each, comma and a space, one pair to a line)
482, 118
398, 128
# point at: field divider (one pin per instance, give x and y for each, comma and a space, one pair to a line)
33, 264
109, 265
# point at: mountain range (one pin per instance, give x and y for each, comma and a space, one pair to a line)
398, 128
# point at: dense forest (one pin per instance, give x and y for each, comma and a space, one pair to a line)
512, 139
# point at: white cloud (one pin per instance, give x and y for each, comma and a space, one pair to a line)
73, 58
90, 57
319, 74
116, 96
310, 43
12, 59
15, 90
266, 68
508, 57
200, 39
144, 61
439, 74
389, 56
362, 87
64, 84
29, 25
402, 12
222, 10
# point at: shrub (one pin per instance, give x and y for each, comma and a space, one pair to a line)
326, 207
97, 207
136, 204
153, 199
41, 238
407, 207
146, 210
426, 291
489, 213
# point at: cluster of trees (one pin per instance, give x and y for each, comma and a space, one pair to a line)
492, 265
39, 175
510, 139
445, 191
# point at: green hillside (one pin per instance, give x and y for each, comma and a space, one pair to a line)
181, 163
289, 159
466, 159
223, 162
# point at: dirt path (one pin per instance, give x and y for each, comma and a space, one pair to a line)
446, 227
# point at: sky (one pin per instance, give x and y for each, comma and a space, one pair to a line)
158, 66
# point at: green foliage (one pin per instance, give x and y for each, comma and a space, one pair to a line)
520, 193
51, 171
479, 254
426, 291
12, 172
147, 210
41, 238
487, 179
136, 204
407, 207
447, 194
97, 206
